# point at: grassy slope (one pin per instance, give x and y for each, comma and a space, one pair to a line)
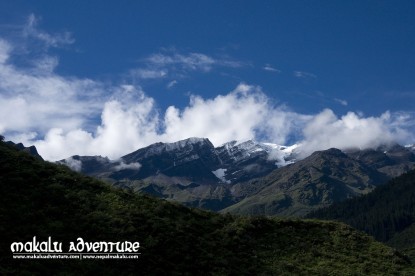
42, 199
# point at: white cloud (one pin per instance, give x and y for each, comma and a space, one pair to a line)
39, 99
30, 30
304, 75
244, 113
74, 164
59, 114
192, 61
269, 68
129, 166
233, 116
171, 66
149, 73
129, 121
173, 61
5, 49
45, 65
342, 102
326, 130
171, 84
34, 99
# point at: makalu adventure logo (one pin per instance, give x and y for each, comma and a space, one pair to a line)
79, 249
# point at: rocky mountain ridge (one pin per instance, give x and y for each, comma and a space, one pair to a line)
195, 159
319, 180
249, 177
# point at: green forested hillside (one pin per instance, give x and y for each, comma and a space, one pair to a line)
42, 199
388, 213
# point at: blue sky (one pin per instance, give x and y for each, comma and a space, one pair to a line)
296, 59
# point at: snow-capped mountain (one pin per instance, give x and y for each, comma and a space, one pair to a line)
238, 151
194, 158
182, 148
260, 178
246, 160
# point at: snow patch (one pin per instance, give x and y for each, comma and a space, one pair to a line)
239, 150
220, 173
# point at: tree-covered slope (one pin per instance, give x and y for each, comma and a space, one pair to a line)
387, 213
42, 199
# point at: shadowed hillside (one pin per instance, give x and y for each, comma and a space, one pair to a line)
387, 213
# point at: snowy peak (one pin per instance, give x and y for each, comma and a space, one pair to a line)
182, 146
244, 160
285, 149
239, 150
190, 142
192, 158
282, 155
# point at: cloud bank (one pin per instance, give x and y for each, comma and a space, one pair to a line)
63, 116
325, 130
